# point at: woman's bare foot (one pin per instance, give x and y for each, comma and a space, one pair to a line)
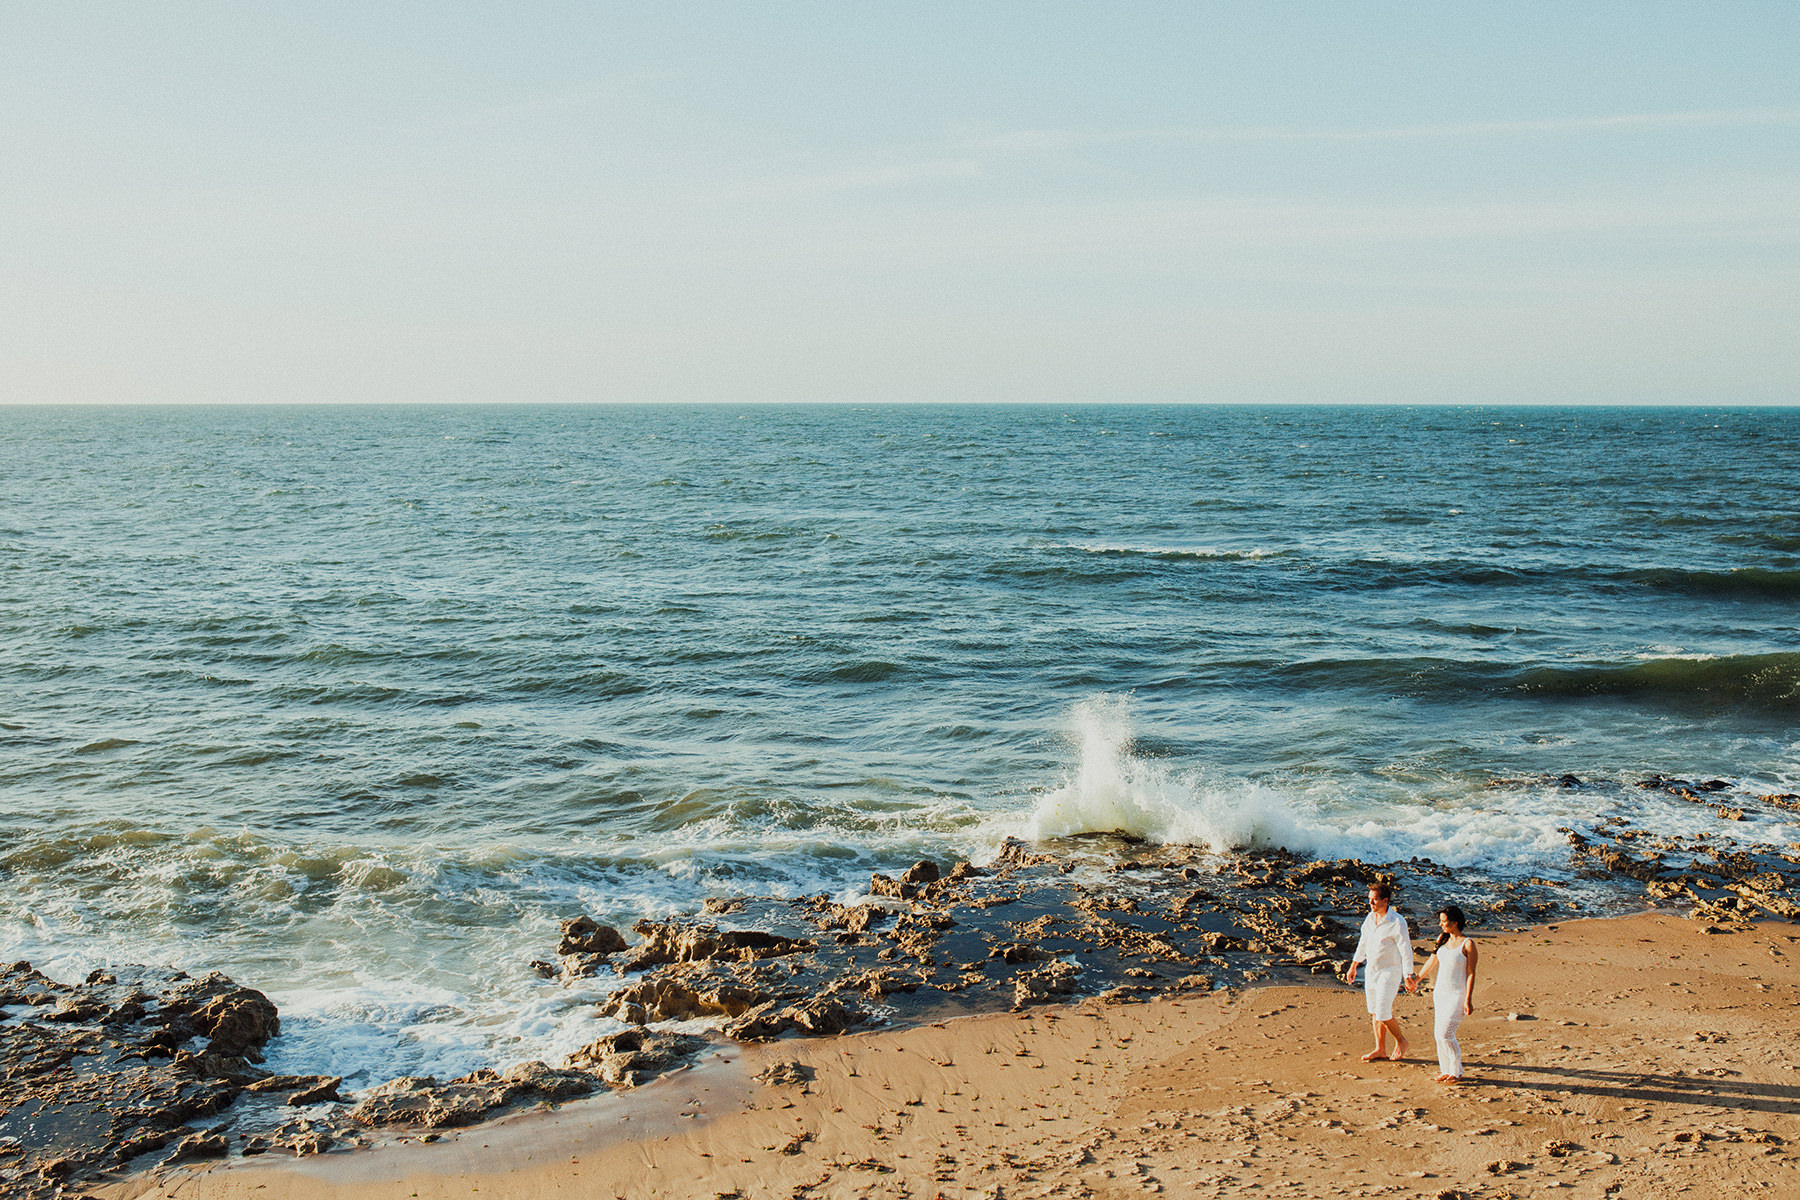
1449, 1079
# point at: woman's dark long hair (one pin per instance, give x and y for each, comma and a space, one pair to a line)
1455, 916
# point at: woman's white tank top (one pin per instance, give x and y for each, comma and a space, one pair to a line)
1452, 974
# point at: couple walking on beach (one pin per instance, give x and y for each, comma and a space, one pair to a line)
1386, 946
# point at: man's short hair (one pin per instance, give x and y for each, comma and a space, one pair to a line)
1383, 891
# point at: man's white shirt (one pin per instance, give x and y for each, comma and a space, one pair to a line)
1386, 943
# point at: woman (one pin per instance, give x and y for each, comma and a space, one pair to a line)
1454, 997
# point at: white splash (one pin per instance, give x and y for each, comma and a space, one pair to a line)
1114, 790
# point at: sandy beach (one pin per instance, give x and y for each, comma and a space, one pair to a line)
1641, 1056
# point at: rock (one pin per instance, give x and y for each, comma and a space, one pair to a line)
636, 1056
546, 1081
582, 935
1124, 994
306, 1144
300, 1089
881, 982
421, 1101
923, 871
855, 918
823, 1016
111, 1058
883, 885
199, 1145
672, 999
21, 984
784, 1074
1342, 870
1015, 854
672, 942
239, 1020
817, 1017
1044, 984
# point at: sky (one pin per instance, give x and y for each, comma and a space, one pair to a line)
1334, 202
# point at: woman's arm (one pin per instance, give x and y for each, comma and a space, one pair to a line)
1414, 985
1473, 954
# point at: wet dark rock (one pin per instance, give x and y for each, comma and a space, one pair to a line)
1015, 853
299, 1089
582, 935
673, 942
1342, 870
21, 984
99, 1073
885, 981
921, 872
853, 918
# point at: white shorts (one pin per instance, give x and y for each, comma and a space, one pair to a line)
1379, 989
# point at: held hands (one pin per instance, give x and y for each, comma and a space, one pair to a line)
1412, 984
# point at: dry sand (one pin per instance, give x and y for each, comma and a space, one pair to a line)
1658, 1059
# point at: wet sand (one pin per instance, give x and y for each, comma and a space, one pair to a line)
1641, 1056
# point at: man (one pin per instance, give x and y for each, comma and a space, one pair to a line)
1386, 945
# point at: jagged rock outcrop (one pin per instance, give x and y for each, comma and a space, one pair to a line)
635, 1057
104, 1070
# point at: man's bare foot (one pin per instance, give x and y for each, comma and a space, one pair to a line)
1399, 1054
1450, 1079
1373, 1055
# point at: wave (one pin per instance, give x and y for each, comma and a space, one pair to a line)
1113, 788
1751, 681
1376, 574
1742, 581
1770, 681
1174, 553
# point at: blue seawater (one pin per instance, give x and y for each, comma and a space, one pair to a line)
355, 703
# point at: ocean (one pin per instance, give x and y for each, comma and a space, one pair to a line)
355, 703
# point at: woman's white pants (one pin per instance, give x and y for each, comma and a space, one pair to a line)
1449, 1020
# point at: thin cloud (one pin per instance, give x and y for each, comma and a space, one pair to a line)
1053, 139
870, 177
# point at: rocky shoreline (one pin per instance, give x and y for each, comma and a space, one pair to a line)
135, 1068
